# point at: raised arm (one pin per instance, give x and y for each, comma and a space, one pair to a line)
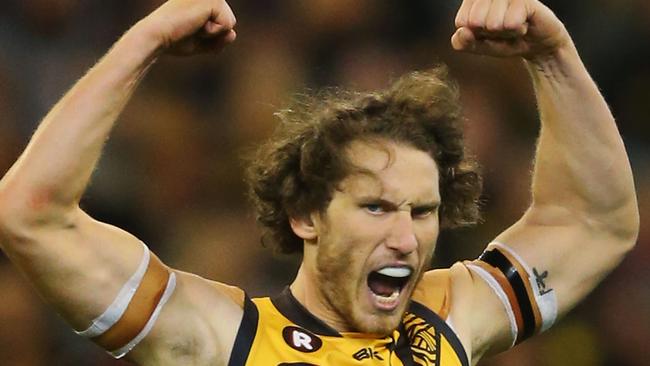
583, 217
80, 265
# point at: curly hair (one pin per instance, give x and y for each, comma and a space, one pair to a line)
297, 170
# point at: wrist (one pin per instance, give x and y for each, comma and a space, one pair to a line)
143, 40
560, 61
553, 45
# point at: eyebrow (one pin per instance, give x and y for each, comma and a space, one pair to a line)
390, 204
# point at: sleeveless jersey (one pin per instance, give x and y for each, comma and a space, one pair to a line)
279, 331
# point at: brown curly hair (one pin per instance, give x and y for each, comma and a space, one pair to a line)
297, 170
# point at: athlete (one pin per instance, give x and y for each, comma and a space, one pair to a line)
360, 185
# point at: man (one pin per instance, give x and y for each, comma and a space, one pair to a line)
360, 186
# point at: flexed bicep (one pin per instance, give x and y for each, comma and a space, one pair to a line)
102, 280
533, 274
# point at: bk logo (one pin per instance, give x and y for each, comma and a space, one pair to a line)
367, 353
301, 339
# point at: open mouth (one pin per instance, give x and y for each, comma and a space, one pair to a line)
386, 285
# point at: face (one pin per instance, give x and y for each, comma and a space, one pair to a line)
376, 237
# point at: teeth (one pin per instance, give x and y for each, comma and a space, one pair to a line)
399, 272
387, 299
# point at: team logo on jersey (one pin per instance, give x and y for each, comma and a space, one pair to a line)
301, 339
424, 340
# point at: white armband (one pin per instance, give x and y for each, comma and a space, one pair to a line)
171, 285
530, 306
115, 311
148, 290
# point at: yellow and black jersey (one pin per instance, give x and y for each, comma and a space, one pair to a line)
279, 331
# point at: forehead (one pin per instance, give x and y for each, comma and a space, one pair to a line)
397, 171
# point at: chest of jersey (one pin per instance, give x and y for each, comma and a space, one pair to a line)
280, 332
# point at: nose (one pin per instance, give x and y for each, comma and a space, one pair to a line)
402, 236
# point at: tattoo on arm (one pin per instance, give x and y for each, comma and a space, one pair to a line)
540, 278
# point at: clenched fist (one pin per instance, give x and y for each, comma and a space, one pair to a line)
186, 27
506, 28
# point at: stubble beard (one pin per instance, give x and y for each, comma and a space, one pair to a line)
338, 286
331, 272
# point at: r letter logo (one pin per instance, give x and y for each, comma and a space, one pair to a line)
301, 340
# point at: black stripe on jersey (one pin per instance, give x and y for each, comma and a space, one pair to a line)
440, 325
402, 347
245, 334
496, 259
293, 310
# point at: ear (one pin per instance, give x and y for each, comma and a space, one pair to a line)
304, 227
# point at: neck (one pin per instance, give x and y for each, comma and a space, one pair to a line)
306, 290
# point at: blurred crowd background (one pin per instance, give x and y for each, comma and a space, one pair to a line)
172, 170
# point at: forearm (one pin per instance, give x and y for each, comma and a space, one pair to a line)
581, 163
583, 216
55, 168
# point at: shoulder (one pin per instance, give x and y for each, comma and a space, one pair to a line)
208, 299
450, 293
437, 287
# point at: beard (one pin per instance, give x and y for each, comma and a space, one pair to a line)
339, 283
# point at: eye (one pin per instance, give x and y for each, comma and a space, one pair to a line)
423, 212
374, 208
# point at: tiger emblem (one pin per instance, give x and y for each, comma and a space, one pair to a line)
424, 339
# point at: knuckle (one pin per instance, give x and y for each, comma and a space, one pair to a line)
460, 20
475, 22
512, 24
494, 25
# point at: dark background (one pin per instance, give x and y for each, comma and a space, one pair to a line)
172, 172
